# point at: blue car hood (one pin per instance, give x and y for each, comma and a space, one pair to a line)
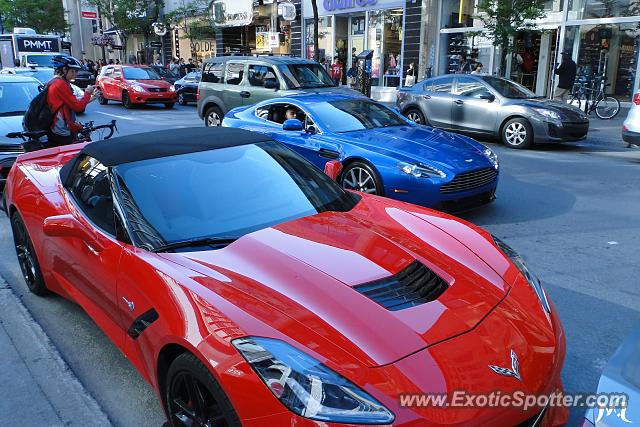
420, 143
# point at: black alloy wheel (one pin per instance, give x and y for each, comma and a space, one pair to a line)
194, 397
126, 101
27, 257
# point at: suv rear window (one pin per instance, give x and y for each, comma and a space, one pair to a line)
213, 73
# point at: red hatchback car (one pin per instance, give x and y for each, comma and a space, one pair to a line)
286, 301
133, 84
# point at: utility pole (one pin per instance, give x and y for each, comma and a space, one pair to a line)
100, 27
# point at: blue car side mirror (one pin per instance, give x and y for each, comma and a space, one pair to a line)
292, 124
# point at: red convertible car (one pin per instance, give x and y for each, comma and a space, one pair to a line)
283, 300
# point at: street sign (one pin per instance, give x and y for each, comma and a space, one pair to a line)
89, 11
155, 44
116, 47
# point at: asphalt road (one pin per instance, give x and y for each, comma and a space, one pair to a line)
572, 210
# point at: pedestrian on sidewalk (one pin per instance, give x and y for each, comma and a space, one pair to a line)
566, 72
410, 75
336, 71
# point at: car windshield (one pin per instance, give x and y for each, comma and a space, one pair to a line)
15, 97
509, 89
43, 76
305, 76
215, 194
355, 114
140, 74
165, 72
40, 60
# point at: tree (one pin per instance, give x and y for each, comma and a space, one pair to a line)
316, 36
131, 16
192, 17
44, 16
504, 18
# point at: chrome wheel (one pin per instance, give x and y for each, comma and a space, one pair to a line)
359, 179
516, 133
414, 116
213, 118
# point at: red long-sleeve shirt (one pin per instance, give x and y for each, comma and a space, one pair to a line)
62, 103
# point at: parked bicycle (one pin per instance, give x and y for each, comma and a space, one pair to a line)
588, 93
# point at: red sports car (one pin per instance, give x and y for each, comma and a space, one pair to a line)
282, 300
134, 85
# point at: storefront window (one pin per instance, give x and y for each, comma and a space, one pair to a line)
553, 5
325, 36
593, 9
607, 49
385, 39
459, 13
453, 45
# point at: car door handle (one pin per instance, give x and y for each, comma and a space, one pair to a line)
426, 97
459, 101
329, 154
245, 94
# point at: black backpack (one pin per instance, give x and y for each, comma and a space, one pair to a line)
38, 116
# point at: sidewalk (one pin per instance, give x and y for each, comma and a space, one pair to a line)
38, 388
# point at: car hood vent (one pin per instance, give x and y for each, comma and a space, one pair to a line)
414, 285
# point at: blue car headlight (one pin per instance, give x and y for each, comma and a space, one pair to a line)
420, 171
493, 157
531, 278
307, 387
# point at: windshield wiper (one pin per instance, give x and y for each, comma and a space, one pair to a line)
208, 241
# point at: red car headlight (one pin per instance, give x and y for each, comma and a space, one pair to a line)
307, 387
531, 278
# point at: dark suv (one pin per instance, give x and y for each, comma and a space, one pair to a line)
231, 81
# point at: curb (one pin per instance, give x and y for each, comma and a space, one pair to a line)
38, 385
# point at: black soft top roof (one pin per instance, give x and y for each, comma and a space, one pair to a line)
162, 143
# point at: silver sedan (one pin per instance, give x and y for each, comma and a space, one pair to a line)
487, 106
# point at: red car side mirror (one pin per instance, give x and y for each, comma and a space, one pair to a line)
68, 226
333, 169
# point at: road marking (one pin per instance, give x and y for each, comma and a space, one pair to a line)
612, 243
115, 115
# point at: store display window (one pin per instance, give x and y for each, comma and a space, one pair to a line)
595, 9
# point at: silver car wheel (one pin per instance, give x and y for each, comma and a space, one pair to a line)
414, 117
213, 119
516, 133
359, 179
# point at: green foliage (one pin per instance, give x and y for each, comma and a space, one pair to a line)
194, 20
44, 16
131, 16
504, 18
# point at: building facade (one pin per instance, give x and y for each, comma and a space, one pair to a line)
603, 38
391, 29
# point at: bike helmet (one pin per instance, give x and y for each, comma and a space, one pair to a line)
60, 61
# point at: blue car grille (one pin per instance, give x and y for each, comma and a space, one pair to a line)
470, 180
414, 285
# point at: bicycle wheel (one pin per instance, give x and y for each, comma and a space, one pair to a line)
578, 99
607, 107
105, 131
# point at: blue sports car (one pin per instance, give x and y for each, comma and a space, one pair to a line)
381, 152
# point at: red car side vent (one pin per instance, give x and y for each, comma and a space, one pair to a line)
416, 284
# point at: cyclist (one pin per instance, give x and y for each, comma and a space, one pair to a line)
63, 103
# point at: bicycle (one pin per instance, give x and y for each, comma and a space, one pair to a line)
32, 141
595, 100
